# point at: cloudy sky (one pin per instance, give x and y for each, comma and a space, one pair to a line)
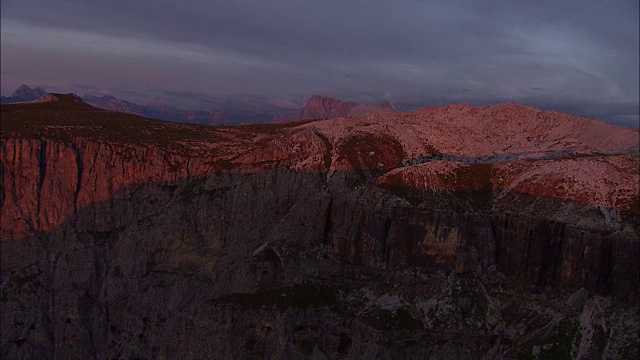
579, 56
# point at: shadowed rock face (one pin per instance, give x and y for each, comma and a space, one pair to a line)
290, 241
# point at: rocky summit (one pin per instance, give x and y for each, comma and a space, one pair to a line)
455, 232
317, 107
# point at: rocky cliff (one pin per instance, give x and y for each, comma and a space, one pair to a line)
317, 107
124, 237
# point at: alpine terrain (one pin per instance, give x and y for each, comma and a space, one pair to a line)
453, 232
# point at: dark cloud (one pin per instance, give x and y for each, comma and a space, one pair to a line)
569, 54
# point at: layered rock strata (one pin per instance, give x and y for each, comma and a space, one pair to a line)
129, 238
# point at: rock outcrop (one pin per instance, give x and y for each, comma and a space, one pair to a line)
124, 237
317, 107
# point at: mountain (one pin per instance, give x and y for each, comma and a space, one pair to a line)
159, 111
154, 111
61, 101
315, 107
500, 231
112, 103
23, 93
323, 107
285, 117
165, 112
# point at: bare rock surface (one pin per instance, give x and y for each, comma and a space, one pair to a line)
453, 232
324, 107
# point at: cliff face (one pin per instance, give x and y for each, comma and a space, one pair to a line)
323, 107
285, 241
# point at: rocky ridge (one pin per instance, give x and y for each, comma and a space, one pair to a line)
317, 107
499, 231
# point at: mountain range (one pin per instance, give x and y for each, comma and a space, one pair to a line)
23, 93
314, 108
500, 231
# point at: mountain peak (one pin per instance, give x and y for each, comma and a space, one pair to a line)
388, 106
22, 87
25, 93
318, 106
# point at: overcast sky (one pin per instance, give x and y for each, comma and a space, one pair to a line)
579, 56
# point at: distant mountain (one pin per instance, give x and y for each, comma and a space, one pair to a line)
284, 117
315, 107
159, 111
169, 113
69, 100
324, 107
108, 102
154, 111
23, 93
